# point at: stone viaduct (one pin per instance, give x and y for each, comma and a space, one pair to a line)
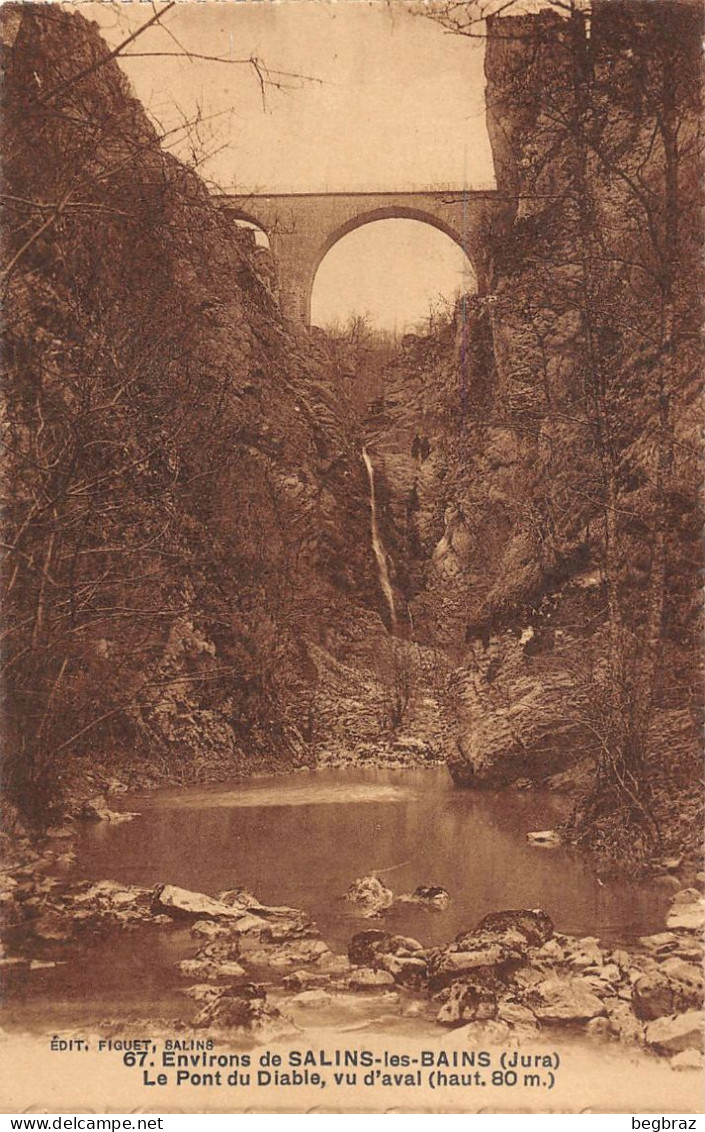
303, 227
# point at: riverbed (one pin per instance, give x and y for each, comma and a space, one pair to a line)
300, 840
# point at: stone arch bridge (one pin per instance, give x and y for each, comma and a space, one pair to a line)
303, 227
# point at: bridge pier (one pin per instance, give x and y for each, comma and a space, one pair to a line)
296, 261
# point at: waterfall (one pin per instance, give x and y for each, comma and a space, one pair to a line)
381, 557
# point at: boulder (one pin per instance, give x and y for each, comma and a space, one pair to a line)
240, 898
687, 979
584, 953
96, 809
672, 988
659, 943
624, 1025
517, 1017
684, 897
289, 954
365, 978
202, 992
332, 964
495, 948
467, 1002
369, 895
282, 922
610, 973
248, 925
565, 1000
408, 971
209, 929
535, 925
432, 896
598, 1028
622, 959
690, 947
108, 900
312, 999
306, 979
182, 904
687, 911
677, 1033
241, 1008
445, 966
652, 997
220, 950
239, 912
368, 948
204, 968
486, 959
553, 950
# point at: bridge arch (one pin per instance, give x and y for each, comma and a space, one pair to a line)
249, 219
390, 212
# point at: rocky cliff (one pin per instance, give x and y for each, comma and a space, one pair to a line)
187, 528
540, 451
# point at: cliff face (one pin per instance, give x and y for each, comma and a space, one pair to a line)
550, 525
187, 505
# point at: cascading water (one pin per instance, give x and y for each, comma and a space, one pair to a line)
377, 546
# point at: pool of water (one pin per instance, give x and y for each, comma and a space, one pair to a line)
301, 839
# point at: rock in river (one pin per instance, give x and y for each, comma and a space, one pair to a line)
97, 809
498, 945
242, 913
565, 1000
242, 1008
680, 1032
687, 910
368, 948
204, 968
365, 978
182, 904
432, 896
467, 1002
370, 895
403, 958
535, 925
652, 997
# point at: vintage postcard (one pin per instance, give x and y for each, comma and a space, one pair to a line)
351, 610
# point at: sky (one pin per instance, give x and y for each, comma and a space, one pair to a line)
371, 97
391, 271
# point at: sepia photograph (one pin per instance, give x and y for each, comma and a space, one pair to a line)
351, 601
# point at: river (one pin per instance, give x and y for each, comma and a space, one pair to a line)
301, 839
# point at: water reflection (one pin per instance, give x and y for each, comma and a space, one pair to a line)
302, 840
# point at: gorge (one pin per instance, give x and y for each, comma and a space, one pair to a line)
265, 583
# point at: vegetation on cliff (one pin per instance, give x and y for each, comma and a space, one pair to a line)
555, 523
182, 484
